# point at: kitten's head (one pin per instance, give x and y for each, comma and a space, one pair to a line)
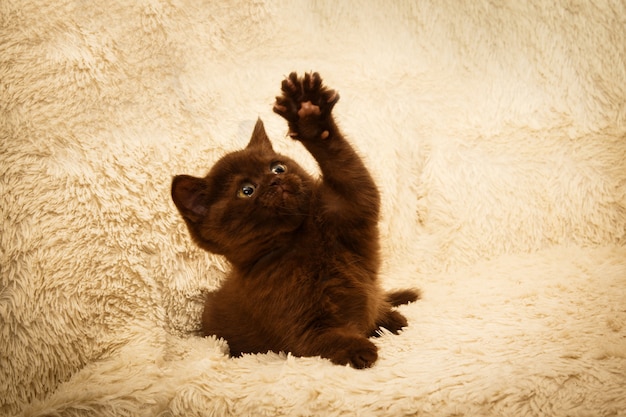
249, 202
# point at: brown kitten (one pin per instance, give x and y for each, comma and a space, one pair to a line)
304, 252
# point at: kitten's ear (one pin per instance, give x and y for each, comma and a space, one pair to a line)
259, 138
191, 196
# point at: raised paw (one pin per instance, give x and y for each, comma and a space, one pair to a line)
306, 104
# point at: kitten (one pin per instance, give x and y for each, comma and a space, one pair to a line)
304, 252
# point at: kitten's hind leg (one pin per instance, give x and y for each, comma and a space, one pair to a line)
390, 320
399, 297
344, 347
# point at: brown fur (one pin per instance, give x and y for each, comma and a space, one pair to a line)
304, 252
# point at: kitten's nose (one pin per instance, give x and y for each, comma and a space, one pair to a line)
276, 181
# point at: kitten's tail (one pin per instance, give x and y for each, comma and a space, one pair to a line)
398, 297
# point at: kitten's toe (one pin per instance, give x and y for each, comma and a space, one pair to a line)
364, 357
358, 352
392, 321
291, 85
286, 108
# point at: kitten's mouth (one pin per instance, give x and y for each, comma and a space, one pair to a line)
284, 194
283, 191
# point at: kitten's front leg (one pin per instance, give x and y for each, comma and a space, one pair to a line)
307, 106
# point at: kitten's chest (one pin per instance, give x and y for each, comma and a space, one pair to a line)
307, 267
296, 263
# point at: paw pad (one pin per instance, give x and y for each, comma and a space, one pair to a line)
305, 97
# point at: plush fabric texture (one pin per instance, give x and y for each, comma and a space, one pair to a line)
496, 132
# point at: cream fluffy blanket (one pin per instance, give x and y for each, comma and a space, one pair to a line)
496, 132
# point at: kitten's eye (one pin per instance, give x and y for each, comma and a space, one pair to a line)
279, 168
246, 190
